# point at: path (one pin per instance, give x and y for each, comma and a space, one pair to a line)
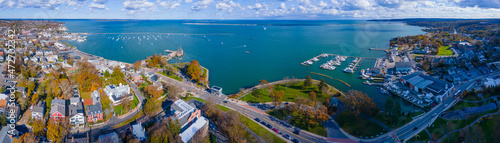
377, 122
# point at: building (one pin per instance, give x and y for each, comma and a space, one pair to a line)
94, 113
436, 88
117, 93
76, 112
58, 109
216, 90
490, 82
139, 132
403, 67
38, 110
152, 77
189, 118
109, 138
137, 78
96, 98
3, 102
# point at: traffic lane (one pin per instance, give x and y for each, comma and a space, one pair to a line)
266, 119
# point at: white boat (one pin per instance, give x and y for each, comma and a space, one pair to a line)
309, 62
337, 63
348, 70
332, 68
315, 59
324, 55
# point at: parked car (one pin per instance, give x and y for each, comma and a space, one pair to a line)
286, 136
275, 130
296, 131
295, 140
257, 119
415, 128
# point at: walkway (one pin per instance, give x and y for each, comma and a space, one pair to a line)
465, 113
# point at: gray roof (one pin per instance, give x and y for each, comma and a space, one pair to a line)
427, 83
183, 110
74, 100
39, 108
73, 110
4, 137
94, 109
58, 105
403, 65
109, 138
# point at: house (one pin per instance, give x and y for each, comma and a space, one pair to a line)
96, 98
117, 93
189, 117
38, 110
102, 69
139, 132
5, 137
94, 113
403, 67
15, 108
137, 78
152, 77
3, 102
76, 112
58, 109
77, 138
109, 138
490, 82
436, 88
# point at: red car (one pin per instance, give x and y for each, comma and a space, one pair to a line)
275, 130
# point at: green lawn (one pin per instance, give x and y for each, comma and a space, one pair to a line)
260, 131
129, 120
85, 95
488, 126
290, 93
445, 51
422, 136
358, 126
195, 98
223, 108
119, 108
436, 128
173, 76
318, 129
415, 114
402, 120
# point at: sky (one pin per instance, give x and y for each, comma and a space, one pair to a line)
248, 9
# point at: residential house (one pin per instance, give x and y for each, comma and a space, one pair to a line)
58, 109
38, 110
94, 113
76, 112
96, 98
137, 78
3, 102
189, 118
109, 138
139, 132
117, 93
436, 88
152, 77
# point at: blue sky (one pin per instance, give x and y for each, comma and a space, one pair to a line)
248, 9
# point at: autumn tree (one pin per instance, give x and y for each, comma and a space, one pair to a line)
165, 132
264, 84
153, 92
126, 103
232, 128
152, 106
137, 65
194, 70
26, 138
173, 91
312, 96
55, 131
308, 81
87, 77
39, 127
358, 102
277, 97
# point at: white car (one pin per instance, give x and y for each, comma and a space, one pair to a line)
434, 114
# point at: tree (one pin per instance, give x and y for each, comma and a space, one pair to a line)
277, 97
71, 61
151, 107
39, 127
55, 131
106, 73
322, 85
194, 70
136, 65
263, 83
358, 102
26, 138
153, 92
165, 132
126, 103
3, 120
312, 96
173, 91
232, 128
308, 81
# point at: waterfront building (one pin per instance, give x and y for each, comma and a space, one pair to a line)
436, 88
216, 90
403, 67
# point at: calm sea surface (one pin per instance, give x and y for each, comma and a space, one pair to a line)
240, 53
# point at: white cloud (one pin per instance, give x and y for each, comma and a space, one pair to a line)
227, 5
202, 4
257, 6
138, 6
282, 6
95, 6
188, 1
168, 5
100, 1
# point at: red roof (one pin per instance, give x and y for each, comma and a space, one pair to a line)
87, 102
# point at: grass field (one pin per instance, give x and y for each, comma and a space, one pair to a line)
260, 131
290, 93
119, 109
422, 136
85, 95
445, 51
358, 126
173, 76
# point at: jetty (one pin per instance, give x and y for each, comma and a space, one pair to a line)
372, 83
321, 75
343, 82
375, 49
172, 54
354, 68
324, 55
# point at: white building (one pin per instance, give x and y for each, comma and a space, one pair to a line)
117, 93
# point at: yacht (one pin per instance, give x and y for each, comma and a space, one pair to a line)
315, 59
337, 63
324, 55
348, 70
332, 68
309, 62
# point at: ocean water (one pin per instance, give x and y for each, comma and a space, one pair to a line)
239, 53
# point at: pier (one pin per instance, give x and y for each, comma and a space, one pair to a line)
379, 49
320, 56
354, 68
